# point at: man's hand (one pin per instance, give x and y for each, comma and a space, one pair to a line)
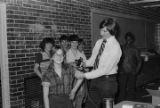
83, 64
79, 75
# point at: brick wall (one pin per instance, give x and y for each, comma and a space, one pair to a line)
28, 21
157, 37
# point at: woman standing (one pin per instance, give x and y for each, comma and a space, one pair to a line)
72, 55
57, 83
42, 60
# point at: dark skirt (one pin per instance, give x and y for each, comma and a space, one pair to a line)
60, 101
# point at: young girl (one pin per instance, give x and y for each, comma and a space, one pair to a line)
72, 55
43, 58
57, 83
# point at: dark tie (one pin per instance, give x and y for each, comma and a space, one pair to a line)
96, 63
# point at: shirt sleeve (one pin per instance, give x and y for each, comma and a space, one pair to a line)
112, 60
45, 84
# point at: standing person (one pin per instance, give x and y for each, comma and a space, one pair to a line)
42, 60
104, 59
72, 55
129, 68
57, 83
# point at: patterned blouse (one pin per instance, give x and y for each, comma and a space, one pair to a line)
59, 85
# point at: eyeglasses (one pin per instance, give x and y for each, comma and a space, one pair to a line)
74, 41
64, 41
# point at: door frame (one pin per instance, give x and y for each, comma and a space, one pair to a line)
4, 58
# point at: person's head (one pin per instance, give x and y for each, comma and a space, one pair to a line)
81, 45
129, 38
74, 41
58, 55
108, 27
63, 41
47, 44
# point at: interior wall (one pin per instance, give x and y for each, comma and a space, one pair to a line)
141, 28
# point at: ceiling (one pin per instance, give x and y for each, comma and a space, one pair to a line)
147, 4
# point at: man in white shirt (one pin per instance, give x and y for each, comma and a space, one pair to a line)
105, 58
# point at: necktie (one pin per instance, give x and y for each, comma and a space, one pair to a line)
96, 63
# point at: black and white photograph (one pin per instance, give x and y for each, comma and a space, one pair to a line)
79, 53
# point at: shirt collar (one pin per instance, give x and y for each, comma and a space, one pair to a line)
109, 39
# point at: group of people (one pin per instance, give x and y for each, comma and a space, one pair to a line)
55, 65
63, 81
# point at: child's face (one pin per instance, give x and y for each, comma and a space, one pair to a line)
64, 43
81, 47
58, 56
48, 46
74, 44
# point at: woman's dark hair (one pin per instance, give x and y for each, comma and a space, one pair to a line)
81, 41
63, 37
112, 26
131, 35
73, 38
46, 40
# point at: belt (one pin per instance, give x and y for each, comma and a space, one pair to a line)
110, 76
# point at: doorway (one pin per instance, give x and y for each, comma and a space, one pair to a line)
5, 90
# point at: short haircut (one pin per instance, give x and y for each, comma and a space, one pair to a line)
112, 26
63, 37
46, 40
74, 37
131, 35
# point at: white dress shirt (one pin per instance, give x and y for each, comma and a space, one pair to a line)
108, 60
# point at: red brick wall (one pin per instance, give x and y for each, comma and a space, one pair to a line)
54, 17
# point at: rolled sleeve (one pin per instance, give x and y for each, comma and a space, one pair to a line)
45, 84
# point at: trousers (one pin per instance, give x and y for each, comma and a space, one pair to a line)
100, 88
127, 86
60, 101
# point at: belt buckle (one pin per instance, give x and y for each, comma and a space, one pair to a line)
107, 76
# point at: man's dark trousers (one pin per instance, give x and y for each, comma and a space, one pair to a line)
100, 88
